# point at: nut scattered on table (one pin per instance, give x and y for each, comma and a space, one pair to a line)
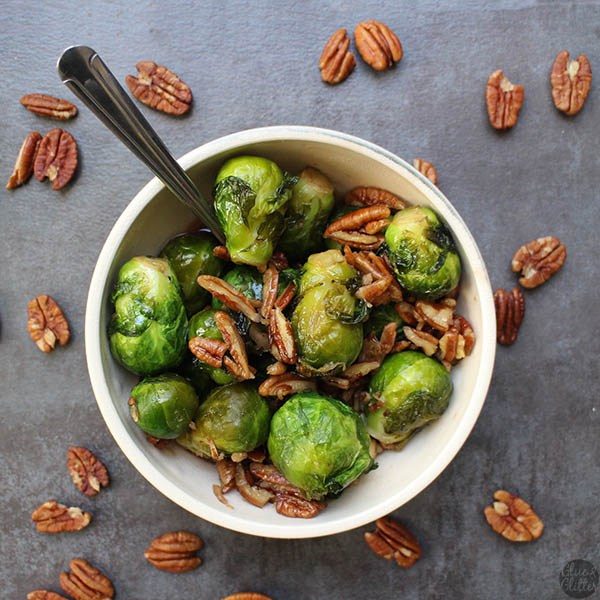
377, 45
56, 158
504, 100
86, 582
337, 62
47, 323
539, 260
49, 106
160, 88
512, 518
392, 541
246, 596
52, 517
510, 310
44, 595
369, 195
23, 168
570, 81
175, 552
87, 472
427, 169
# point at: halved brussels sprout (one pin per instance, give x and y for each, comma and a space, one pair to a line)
422, 253
312, 201
235, 418
319, 444
191, 255
380, 316
410, 391
148, 328
163, 406
251, 194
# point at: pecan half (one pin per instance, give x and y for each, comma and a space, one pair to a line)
46, 323
539, 260
226, 471
23, 168
512, 518
427, 169
49, 106
356, 239
368, 196
255, 495
44, 595
282, 335
421, 339
85, 582
358, 218
269, 291
87, 472
337, 62
56, 158
237, 364
391, 540
52, 517
159, 88
284, 385
208, 351
175, 552
161, 444
510, 310
504, 100
271, 479
286, 296
246, 596
229, 296
570, 81
377, 44
439, 315
296, 507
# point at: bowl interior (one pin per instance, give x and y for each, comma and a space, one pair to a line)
154, 216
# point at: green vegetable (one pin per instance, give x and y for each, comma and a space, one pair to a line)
191, 255
311, 203
251, 196
380, 316
326, 320
163, 406
422, 253
197, 374
148, 328
409, 390
233, 417
319, 444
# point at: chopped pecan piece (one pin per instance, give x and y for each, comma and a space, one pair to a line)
372, 292
175, 552
226, 471
510, 310
539, 260
377, 44
156, 442
504, 100
512, 518
85, 582
421, 339
337, 62
427, 169
49, 106
356, 239
269, 291
44, 595
374, 227
46, 323
360, 369
437, 314
277, 368
208, 351
229, 296
368, 195
220, 495
255, 495
56, 158
377, 349
237, 364
52, 517
391, 540
296, 507
282, 335
271, 479
23, 168
221, 252
570, 81
286, 296
87, 472
286, 384
246, 596
358, 218
159, 88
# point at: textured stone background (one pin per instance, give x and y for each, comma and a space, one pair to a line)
252, 64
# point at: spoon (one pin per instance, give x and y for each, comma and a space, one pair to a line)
83, 71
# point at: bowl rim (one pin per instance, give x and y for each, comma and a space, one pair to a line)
309, 528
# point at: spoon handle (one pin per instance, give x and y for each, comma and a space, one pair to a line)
83, 71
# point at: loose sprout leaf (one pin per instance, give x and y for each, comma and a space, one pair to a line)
233, 194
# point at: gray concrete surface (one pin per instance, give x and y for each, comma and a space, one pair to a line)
252, 64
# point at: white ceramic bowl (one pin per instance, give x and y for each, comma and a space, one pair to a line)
153, 217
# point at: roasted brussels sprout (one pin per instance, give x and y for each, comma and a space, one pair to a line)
309, 207
327, 319
197, 374
191, 255
410, 390
163, 406
203, 325
380, 316
422, 253
235, 418
251, 196
148, 328
319, 444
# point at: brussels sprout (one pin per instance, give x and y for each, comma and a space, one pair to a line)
312, 201
380, 316
163, 406
233, 417
148, 328
411, 390
251, 196
203, 325
319, 444
191, 255
422, 253
326, 320
197, 374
